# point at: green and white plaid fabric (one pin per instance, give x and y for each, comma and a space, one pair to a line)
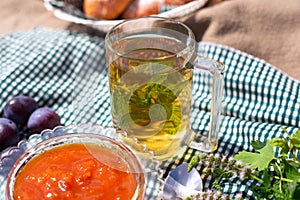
67, 72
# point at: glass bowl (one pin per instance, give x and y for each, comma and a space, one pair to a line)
147, 168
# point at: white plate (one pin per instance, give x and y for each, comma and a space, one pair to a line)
9, 156
67, 12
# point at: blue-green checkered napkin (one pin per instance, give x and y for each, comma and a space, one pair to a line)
62, 70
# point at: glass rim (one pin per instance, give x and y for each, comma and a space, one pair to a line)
188, 44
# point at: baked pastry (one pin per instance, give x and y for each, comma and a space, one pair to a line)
176, 2
104, 9
141, 8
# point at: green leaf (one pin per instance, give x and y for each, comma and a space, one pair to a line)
257, 144
291, 171
194, 161
292, 187
297, 192
293, 163
259, 160
158, 79
295, 140
297, 134
266, 178
279, 142
282, 143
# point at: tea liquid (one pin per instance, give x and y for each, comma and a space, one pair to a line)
151, 92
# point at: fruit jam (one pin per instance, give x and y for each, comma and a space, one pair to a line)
76, 171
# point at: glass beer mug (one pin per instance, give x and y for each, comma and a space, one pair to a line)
151, 62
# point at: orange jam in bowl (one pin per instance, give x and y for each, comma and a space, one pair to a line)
77, 166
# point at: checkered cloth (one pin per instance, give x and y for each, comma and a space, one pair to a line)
67, 72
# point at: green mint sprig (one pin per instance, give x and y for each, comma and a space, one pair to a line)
273, 176
280, 177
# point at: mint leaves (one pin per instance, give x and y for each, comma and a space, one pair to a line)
279, 176
271, 176
260, 160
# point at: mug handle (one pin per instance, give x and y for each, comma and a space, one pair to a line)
215, 69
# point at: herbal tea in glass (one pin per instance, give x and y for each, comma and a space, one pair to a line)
151, 62
151, 92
